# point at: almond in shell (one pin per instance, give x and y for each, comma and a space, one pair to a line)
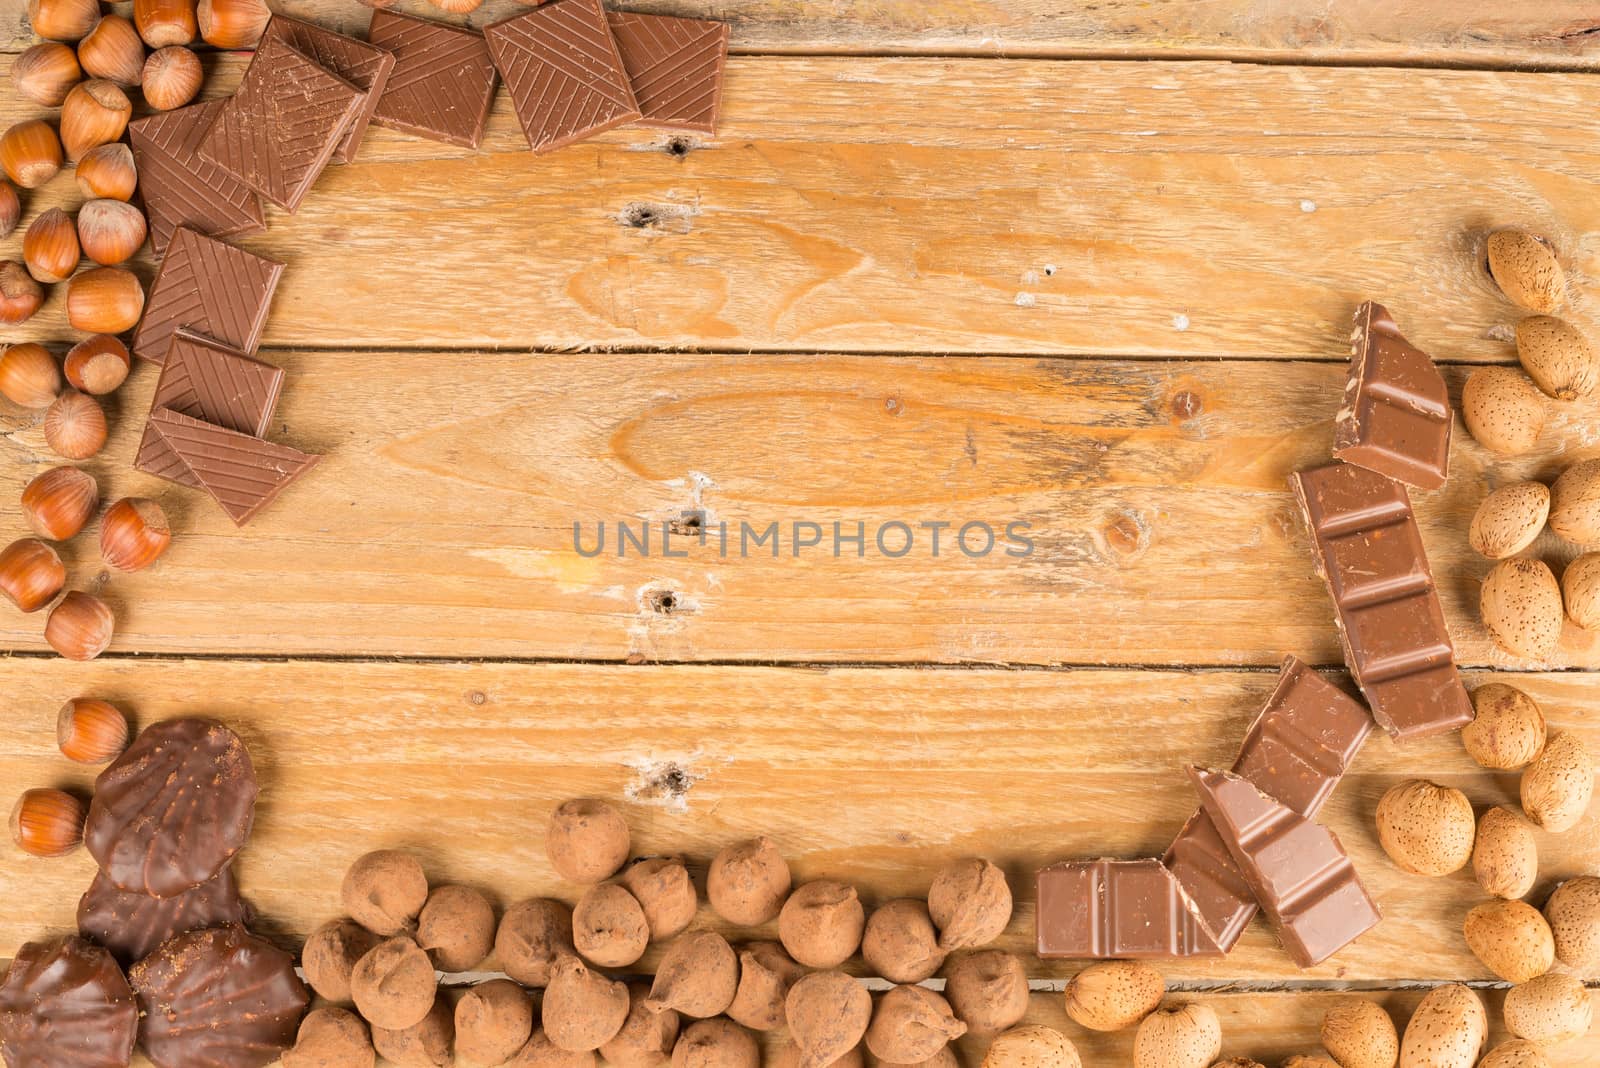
1507, 730
1557, 357
1573, 913
1511, 938
1525, 268
1510, 519
1505, 856
1575, 503
1448, 1030
1580, 591
1557, 788
1360, 1034
1549, 1009
1503, 409
1521, 606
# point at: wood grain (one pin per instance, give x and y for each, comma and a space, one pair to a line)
1185, 209
441, 521
873, 776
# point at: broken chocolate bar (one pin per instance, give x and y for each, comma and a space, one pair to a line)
243, 473
442, 83
1396, 416
1116, 908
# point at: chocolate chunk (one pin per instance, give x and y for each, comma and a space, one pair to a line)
442, 83
210, 287
675, 67
1297, 869
181, 189
65, 1004
563, 71
206, 380
218, 998
171, 811
282, 124
1296, 751
1117, 908
243, 474
1396, 414
131, 924
1369, 550
363, 65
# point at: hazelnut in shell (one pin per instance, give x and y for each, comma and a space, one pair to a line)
766, 975
95, 113
232, 24
1503, 409
31, 574
988, 990
75, 426
29, 376
30, 152
107, 172
97, 365
608, 927
1573, 913
718, 1043
587, 841
394, 985
134, 534
80, 626
1037, 1047
172, 77
748, 882
45, 72
531, 935
828, 1014
665, 892
822, 923
47, 823
330, 956
104, 300
456, 927
970, 903
10, 208
113, 51
426, 1044
583, 1010
1508, 729
20, 295
1113, 995
165, 22
331, 1037
698, 976
493, 1021
900, 943
383, 892
63, 20
110, 231
910, 1025
50, 247
647, 1035
539, 1052
89, 731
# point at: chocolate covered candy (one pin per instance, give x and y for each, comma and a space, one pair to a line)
66, 1004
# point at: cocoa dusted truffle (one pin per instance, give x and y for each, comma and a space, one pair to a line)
828, 1013
664, 890
748, 882
647, 1035
910, 1025
821, 924
766, 973
718, 1043
384, 891
970, 904
587, 841
330, 955
493, 1021
539, 1052
945, 1058
697, 976
456, 928
901, 943
788, 1056
394, 985
608, 927
988, 990
583, 1010
331, 1038
66, 993
532, 934
425, 1044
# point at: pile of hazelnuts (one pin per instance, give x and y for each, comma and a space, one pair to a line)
379, 967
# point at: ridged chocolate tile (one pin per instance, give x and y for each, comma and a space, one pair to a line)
674, 66
244, 474
181, 189
442, 83
282, 124
562, 69
213, 383
211, 288
363, 65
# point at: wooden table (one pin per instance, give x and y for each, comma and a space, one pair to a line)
1088, 267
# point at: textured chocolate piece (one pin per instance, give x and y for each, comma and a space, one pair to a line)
212, 383
171, 811
563, 72
1396, 415
1296, 868
65, 1004
282, 125
218, 998
211, 288
675, 67
1368, 549
1296, 750
363, 65
244, 474
1116, 908
131, 924
442, 83
181, 189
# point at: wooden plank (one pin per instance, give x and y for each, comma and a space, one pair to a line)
441, 522
874, 776
1194, 209
1554, 33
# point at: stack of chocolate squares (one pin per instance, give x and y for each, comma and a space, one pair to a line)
1254, 841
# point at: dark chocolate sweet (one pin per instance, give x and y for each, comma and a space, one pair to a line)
65, 1004
131, 924
1396, 415
171, 812
218, 998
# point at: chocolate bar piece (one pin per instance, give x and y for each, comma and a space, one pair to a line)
130, 924
1296, 751
1396, 418
211, 288
1369, 551
675, 67
65, 1004
1116, 908
562, 69
1296, 868
181, 189
243, 473
279, 129
363, 65
442, 83
212, 383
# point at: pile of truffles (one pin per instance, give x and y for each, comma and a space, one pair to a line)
378, 966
